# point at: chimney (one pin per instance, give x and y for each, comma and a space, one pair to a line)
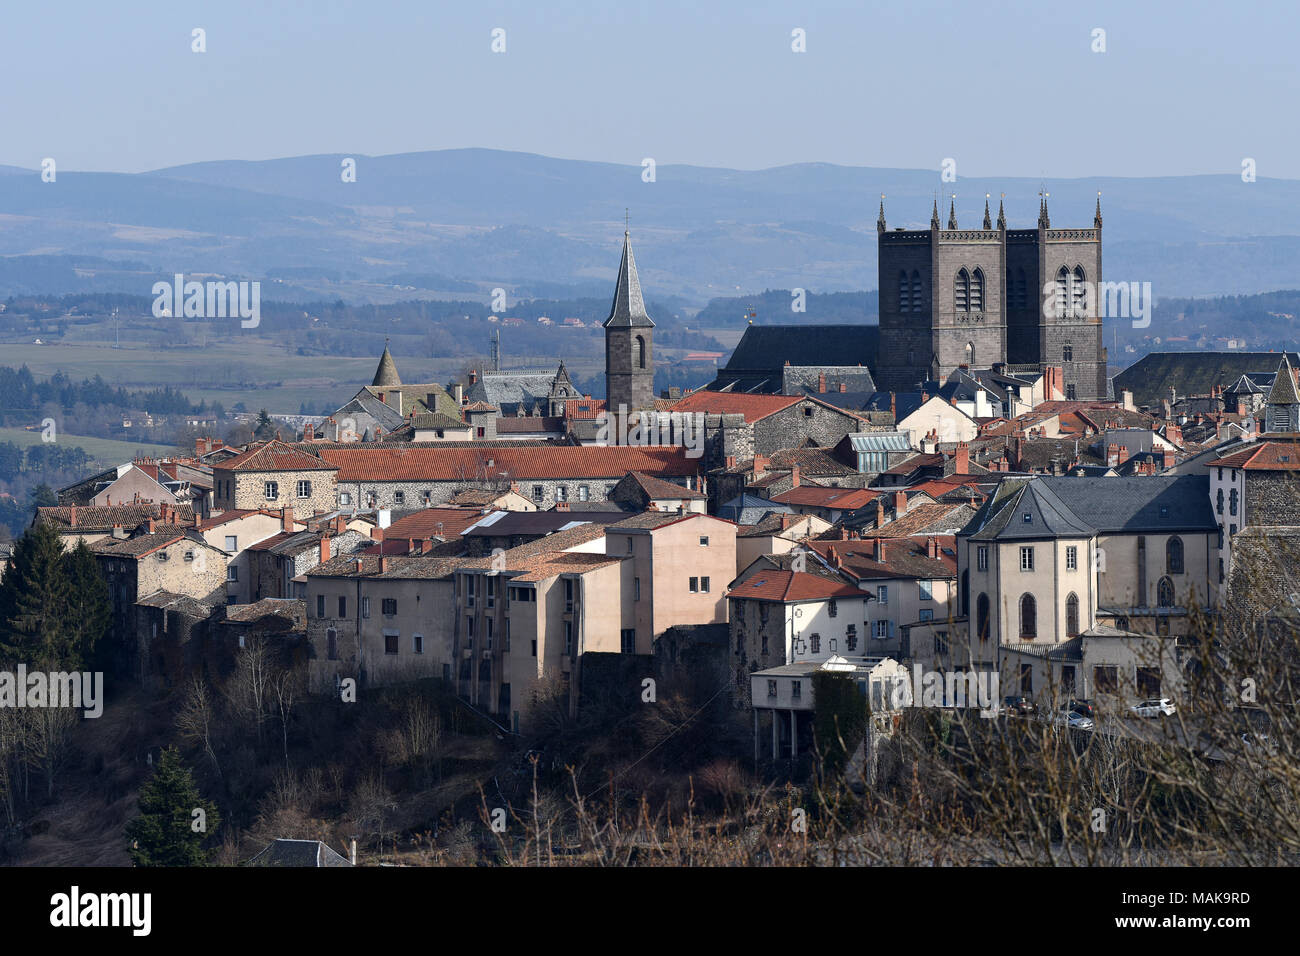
561, 506
309, 432
821, 382
878, 551
460, 394
376, 533
844, 533
844, 387
961, 459
286, 519
473, 378
880, 511
426, 546
119, 531
932, 547
1112, 454
108, 500
383, 564
731, 461
352, 853
794, 476
1168, 456
900, 503
925, 396
893, 406
72, 516
324, 548
760, 465
151, 524
277, 435
358, 564
339, 525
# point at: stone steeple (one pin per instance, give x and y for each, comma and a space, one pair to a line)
934, 216
988, 223
1282, 410
628, 309
1002, 216
386, 374
1096, 220
880, 222
629, 342
1044, 220
952, 214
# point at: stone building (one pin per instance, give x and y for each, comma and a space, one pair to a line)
953, 297
629, 342
274, 475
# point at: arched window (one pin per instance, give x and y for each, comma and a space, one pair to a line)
1072, 615
1165, 593
916, 292
961, 291
1067, 353
1028, 617
1079, 292
982, 617
904, 293
1174, 556
638, 352
1062, 292
970, 354
977, 291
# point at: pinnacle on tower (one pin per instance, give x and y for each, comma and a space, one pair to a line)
1002, 216
1096, 220
880, 222
628, 308
386, 374
952, 214
934, 216
1044, 220
988, 223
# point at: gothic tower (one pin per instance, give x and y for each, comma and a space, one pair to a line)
629, 346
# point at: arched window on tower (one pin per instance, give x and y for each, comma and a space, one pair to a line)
1079, 293
1062, 292
904, 293
1072, 615
638, 352
970, 354
916, 292
977, 291
961, 291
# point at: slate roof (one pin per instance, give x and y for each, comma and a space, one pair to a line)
91, 518
428, 420
1283, 391
903, 558
298, 853
386, 373
769, 347
1031, 512
284, 614
657, 488
750, 509
508, 523
628, 308
1191, 373
513, 391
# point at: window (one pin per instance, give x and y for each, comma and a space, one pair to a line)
1028, 518
304, 489
1072, 615
704, 585
970, 354
961, 291
320, 605
1232, 501
365, 606
1026, 559
490, 589
232, 572
1062, 292
561, 492
834, 608
534, 647
638, 352
926, 590
763, 650
417, 643
882, 594
584, 492
232, 542
796, 689
1026, 678
629, 545
636, 590
627, 640
1067, 353
568, 637
1174, 556
1072, 558
926, 614
1218, 501
332, 644
568, 594
941, 642
882, 630
1105, 680
1070, 393
343, 607
426, 496
808, 411
1220, 570
469, 590
389, 607
1028, 617
704, 541
390, 643
345, 498
694, 585
271, 490
771, 688
816, 641
490, 624
982, 558
539, 493
399, 497
977, 291
851, 637
1017, 289
916, 291
982, 617
1165, 592
1079, 293
480, 431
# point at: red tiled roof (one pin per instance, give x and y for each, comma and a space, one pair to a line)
657, 488
275, 455
433, 521
791, 586
1266, 456
841, 499
583, 408
527, 424
904, 558
753, 407
527, 463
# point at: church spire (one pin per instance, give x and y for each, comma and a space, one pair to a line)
386, 374
934, 216
1002, 217
1096, 220
1044, 220
628, 308
952, 214
880, 222
988, 223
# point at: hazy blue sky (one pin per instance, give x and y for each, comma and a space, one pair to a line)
1004, 88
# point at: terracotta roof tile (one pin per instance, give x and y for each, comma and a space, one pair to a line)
274, 455
753, 407
792, 586
519, 463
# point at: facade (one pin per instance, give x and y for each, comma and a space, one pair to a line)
976, 298
275, 475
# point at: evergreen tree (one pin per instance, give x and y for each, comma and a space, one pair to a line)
34, 601
43, 496
164, 834
265, 428
89, 610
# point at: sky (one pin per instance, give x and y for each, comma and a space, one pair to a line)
1001, 88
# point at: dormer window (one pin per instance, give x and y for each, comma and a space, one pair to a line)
1029, 518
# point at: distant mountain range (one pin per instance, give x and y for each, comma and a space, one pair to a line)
458, 223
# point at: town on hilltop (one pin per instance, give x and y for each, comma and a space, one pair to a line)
962, 491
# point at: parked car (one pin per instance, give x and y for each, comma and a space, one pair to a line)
1021, 706
1067, 718
1084, 708
1154, 707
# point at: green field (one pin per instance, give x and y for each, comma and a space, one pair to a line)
105, 450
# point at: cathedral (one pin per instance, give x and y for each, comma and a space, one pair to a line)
953, 298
